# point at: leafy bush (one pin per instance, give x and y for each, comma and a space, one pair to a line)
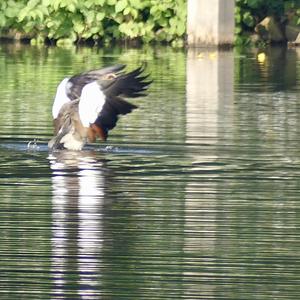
76, 20
69, 21
248, 13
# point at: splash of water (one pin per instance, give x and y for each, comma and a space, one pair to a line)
33, 145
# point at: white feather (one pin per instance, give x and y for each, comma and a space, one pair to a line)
60, 98
91, 102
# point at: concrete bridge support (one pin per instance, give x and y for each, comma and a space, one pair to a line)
210, 23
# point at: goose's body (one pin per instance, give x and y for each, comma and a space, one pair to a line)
87, 105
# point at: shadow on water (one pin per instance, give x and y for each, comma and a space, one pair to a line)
195, 196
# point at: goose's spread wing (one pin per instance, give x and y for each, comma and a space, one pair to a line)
77, 82
70, 89
91, 103
101, 100
129, 85
61, 97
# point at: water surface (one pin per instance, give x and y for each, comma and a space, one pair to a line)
194, 196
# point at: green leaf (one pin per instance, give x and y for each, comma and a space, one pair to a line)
248, 19
99, 2
253, 3
181, 28
71, 7
127, 10
134, 13
78, 27
100, 16
88, 3
65, 42
238, 29
111, 2
90, 16
11, 12
136, 4
121, 5
55, 4
22, 14
153, 10
46, 2
37, 14
2, 20
32, 3
39, 40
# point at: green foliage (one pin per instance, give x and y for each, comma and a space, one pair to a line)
249, 13
68, 21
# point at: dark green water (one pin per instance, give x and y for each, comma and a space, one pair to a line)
196, 195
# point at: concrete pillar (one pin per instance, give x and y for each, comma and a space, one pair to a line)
210, 22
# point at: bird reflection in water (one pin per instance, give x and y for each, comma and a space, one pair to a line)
77, 226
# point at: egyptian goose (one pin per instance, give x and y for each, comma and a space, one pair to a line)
87, 105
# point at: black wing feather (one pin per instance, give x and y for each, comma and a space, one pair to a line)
130, 85
113, 107
77, 82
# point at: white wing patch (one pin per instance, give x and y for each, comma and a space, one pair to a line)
60, 98
91, 102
